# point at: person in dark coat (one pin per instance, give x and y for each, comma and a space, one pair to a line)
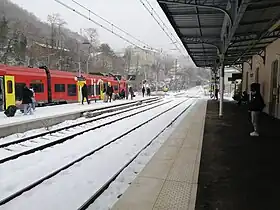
85, 93
27, 95
143, 91
131, 92
122, 94
217, 93
255, 106
148, 91
109, 91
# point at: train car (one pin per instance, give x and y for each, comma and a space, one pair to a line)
51, 86
12, 80
63, 87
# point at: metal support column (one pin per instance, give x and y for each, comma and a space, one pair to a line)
222, 76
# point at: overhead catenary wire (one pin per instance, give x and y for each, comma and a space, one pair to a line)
164, 30
113, 25
163, 23
102, 26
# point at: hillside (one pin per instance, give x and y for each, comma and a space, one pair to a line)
25, 40
29, 22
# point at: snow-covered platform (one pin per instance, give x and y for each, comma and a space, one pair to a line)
51, 115
170, 179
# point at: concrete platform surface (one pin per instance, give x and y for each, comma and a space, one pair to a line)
238, 172
169, 180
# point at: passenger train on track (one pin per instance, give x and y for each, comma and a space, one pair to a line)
52, 86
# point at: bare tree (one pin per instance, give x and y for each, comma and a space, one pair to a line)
92, 36
55, 20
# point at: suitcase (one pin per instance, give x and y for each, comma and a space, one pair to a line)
11, 111
105, 98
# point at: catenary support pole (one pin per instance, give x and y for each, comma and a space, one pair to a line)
222, 76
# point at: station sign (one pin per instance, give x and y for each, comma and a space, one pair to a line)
131, 77
236, 76
80, 79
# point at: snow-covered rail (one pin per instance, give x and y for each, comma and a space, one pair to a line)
105, 186
57, 136
100, 111
180, 108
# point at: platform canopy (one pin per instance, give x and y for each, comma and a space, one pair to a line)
237, 29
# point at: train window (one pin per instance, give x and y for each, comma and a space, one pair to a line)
9, 86
19, 89
72, 89
59, 88
90, 90
116, 87
97, 90
105, 85
37, 87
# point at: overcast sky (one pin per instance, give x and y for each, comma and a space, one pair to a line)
130, 15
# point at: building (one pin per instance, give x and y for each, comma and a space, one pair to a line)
265, 70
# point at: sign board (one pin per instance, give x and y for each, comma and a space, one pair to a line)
79, 79
131, 77
236, 76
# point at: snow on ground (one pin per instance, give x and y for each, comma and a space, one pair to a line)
37, 165
55, 111
27, 145
71, 188
33, 132
122, 182
45, 111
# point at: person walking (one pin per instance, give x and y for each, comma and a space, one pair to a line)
33, 98
109, 91
27, 95
256, 106
85, 93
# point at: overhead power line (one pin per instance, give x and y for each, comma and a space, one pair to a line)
163, 23
104, 27
165, 31
113, 25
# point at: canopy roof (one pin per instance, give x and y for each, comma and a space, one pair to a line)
239, 28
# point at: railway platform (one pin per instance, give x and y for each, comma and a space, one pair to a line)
169, 180
238, 171
51, 115
211, 163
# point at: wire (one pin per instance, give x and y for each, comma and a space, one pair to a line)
113, 25
151, 13
105, 28
176, 38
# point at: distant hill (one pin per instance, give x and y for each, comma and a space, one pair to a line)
35, 27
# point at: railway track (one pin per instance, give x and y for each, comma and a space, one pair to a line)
44, 140
50, 175
105, 186
96, 112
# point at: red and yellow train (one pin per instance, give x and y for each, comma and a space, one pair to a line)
52, 86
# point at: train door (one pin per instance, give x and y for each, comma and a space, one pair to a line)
8, 91
2, 91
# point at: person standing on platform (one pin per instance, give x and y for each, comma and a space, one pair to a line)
27, 95
109, 91
143, 91
131, 92
85, 93
256, 106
